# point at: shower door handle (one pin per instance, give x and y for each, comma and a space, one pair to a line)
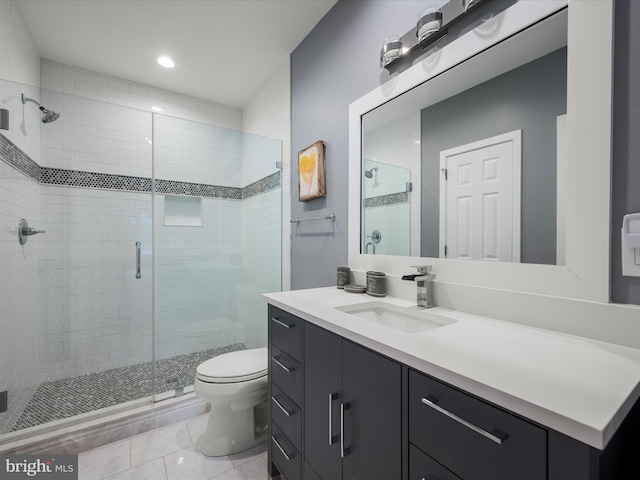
138, 244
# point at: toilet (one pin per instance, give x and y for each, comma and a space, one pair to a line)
235, 384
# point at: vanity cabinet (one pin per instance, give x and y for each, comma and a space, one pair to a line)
352, 410
340, 411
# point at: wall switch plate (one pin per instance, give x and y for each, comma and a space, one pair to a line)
4, 401
630, 260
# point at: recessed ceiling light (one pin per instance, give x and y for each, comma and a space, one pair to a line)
166, 62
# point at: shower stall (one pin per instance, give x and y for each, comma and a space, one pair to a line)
159, 235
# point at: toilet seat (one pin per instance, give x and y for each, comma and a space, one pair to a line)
234, 367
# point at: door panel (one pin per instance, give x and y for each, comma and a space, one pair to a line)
323, 376
373, 417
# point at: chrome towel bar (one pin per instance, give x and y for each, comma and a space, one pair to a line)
331, 217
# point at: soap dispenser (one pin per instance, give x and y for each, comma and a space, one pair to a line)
424, 282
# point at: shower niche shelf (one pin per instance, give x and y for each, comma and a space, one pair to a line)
182, 211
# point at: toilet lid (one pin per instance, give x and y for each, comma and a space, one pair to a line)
234, 367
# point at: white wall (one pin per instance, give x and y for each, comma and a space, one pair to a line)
19, 56
85, 83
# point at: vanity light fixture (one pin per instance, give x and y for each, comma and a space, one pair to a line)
166, 62
429, 21
467, 4
391, 50
433, 24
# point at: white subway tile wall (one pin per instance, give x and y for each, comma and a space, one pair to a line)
94, 136
392, 221
198, 275
261, 244
189, 151
95, 315
24, 120
398, 144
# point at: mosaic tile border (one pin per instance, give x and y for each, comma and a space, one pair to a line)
385, 200
15, 157
78, 178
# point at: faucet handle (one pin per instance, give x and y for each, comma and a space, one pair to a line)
423, 269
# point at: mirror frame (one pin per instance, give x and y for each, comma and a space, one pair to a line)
585, 275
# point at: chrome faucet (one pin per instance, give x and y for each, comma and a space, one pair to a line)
366, 247
424, 282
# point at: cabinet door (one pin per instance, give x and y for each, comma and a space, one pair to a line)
372, 417
323, 377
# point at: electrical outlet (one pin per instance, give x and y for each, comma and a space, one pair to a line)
630, 260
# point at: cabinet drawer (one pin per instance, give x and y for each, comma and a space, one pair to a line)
423, 467
287, 415
471, 438
284, 455
286, 373
286, 332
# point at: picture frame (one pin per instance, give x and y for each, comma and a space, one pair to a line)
311, 172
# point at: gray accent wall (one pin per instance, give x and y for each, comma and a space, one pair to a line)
337, 63
626, 141
529, 98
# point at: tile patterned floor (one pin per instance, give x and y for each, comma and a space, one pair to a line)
168, 453
73, 396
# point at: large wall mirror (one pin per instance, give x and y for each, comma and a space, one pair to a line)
490, 157
466, 165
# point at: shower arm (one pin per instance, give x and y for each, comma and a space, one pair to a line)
27, 99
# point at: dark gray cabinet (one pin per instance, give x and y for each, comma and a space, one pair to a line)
353, 425
340, 411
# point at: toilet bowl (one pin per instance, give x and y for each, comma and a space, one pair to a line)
235, 384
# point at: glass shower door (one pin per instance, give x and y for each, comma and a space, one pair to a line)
217, 222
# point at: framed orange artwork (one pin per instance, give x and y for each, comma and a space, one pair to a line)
311, 181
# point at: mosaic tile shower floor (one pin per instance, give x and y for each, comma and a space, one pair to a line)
68, 397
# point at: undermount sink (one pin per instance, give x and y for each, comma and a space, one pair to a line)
405, 319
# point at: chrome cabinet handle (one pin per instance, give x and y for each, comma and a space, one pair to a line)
429, 477
499, 437
281, 323
286, 412
280, 447
138, 244
343, 450
280, 364
331, 418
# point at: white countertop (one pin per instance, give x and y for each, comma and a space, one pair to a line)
580, 387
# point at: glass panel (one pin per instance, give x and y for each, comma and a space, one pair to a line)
80, 330
225, 250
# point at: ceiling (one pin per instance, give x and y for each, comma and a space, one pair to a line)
224, 50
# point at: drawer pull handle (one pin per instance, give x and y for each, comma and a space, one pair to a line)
281, 323
429, 477
281, 449
286, 412
280, 364
331, 395
497, 436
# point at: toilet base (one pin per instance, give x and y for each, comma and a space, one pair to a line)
231, 432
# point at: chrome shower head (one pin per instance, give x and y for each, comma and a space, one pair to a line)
48, 116
369, 173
